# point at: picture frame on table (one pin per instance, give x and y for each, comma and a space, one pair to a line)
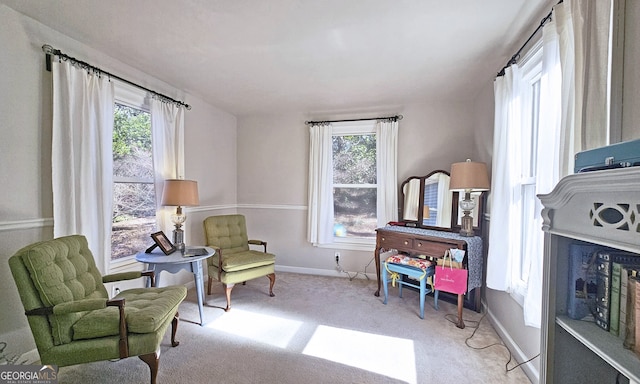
162, 241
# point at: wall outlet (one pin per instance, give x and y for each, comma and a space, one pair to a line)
337, 257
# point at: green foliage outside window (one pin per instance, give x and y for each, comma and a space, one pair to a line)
130, 131
133, 191
354, 159
355, 190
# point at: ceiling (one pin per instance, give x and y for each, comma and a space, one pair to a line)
317, 57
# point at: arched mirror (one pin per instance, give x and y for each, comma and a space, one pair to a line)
427, 202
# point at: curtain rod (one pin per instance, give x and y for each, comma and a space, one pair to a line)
49, 50
514, 59
392, 118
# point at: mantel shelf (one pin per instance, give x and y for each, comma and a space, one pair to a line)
603, 344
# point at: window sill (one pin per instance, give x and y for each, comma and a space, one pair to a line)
126, 264
354, 244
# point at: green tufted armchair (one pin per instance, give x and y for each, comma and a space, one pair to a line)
236, 263
71, 317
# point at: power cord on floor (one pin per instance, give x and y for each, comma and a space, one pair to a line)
351, 277
365, 267
451, 318
341, 270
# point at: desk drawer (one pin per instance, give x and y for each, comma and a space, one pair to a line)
402, 243
430, 248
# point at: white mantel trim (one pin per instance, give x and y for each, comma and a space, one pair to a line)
578, 192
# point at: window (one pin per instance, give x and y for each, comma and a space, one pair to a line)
352, 182
355, 188
134, 205
530, 237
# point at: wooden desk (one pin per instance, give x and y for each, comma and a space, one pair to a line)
418, 241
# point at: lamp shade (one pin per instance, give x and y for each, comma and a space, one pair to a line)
469, 175
180, 193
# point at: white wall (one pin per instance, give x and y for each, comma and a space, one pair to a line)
25, 152
273, 173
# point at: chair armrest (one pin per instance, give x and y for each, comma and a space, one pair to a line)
124, 343
89, 305
126, 276
45, 311
72, 307
219, 253
79, 306
93, 304
129, 276
216, 252
259, 242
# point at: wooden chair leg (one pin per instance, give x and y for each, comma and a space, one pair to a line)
153, 361
272, 281
174, 329
227, 289
209, 286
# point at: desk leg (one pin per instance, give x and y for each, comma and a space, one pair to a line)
376, 256
196, 267
460, 323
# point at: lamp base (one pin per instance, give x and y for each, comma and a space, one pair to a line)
467, 225
178, 239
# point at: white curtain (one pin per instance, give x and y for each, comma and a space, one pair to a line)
512, 115
572, 108
550, 158
583, 28
504, 234
320, 202
82, 159
167, 136
386, 145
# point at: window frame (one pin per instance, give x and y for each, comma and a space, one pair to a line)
138, 99
531, 67
364, 127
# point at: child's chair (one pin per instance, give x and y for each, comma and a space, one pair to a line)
419, 269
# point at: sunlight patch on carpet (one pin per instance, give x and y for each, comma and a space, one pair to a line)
272, 330
390, 356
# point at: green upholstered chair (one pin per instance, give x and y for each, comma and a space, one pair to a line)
235, 261
71, 317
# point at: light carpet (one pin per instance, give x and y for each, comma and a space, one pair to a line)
316, 329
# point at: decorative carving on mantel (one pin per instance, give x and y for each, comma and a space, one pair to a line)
619, 216
600, 206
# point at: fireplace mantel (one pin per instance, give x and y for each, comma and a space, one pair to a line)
583, 206
601, 208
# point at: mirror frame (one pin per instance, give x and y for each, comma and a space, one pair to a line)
453, 226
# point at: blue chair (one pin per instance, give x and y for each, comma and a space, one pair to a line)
395, 267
